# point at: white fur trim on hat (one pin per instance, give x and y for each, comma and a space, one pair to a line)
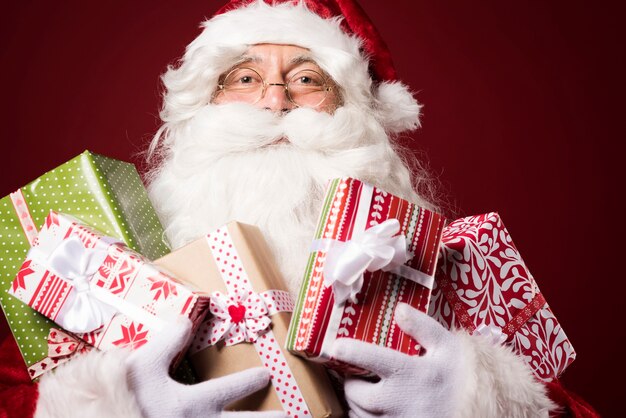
226, 37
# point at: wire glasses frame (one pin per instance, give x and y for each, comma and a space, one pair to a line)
306, 88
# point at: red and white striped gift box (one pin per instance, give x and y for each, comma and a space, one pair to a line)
351, 209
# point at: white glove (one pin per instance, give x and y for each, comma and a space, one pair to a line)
158, 395
409, 386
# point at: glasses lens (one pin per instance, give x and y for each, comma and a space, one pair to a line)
243, 84
307, 88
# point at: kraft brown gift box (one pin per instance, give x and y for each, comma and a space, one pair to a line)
195, 264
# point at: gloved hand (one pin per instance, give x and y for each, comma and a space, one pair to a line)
158, 395
410, 386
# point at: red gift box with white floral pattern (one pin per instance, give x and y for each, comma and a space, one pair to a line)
99, 289
483, 285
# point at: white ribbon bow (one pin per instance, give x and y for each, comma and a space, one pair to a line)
493, 333
237, 317
376, 248
82, 311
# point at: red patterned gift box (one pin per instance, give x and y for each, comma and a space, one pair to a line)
483, 285
99, 289
340, 295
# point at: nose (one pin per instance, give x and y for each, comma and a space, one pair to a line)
275, 98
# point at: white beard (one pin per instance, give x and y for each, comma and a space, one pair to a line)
224, 164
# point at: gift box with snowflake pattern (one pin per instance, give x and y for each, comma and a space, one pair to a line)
102, 192
99, 289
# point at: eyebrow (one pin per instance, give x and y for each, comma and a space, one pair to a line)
247, 59
301, 59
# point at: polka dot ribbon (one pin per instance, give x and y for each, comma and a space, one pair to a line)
24, 216
243, 316
62, 346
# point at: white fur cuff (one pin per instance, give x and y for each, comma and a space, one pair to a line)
93, 385
499, 383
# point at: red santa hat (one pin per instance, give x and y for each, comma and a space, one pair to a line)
339, 35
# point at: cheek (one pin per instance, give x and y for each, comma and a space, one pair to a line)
218, 98
331, 103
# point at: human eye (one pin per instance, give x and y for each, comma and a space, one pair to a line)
242, 78
308, 78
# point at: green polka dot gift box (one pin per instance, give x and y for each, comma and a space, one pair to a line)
103, 193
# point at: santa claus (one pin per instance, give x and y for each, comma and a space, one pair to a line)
268, 103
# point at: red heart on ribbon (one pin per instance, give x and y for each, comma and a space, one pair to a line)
237, 313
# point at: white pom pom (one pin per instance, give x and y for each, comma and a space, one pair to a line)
398, 109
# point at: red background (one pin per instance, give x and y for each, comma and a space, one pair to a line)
520, 116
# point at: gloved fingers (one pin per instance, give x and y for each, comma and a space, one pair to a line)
426, 330
380, 360
165, 345
233, 386
257, 414
357, 412
363, 393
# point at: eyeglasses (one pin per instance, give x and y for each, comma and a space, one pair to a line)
306, 88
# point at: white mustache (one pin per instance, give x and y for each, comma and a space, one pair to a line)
249, 128
244, 126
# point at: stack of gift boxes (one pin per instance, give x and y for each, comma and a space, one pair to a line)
77, 275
